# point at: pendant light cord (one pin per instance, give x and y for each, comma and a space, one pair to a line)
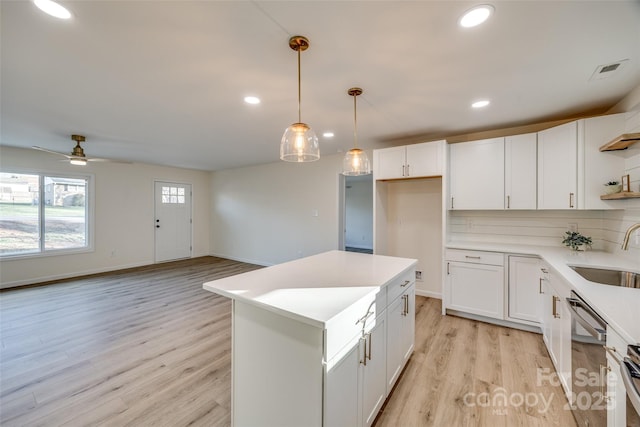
299, 91
355, 123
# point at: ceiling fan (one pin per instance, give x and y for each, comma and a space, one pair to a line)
77, 156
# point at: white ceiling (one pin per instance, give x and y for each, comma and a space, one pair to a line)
163, 81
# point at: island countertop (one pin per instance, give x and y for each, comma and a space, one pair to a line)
314, 289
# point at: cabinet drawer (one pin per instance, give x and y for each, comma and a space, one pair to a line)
346, 326
475, 257
400, 284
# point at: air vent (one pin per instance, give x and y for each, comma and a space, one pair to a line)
608, 70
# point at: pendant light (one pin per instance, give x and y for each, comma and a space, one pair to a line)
355, 161
299, 142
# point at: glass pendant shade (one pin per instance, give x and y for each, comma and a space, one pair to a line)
299, 144
355, 163
355, 160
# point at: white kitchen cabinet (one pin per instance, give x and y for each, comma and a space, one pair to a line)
558, 167
400, 333
523, 288
475, 283
355, 387
477, 175
410, 161
616, 392
556, 326
373, 368
520, 171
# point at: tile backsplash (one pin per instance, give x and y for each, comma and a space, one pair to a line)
606, 228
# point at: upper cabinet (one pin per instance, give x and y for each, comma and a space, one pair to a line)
496, 173
410, 161
571, 169
520, 155
477, 174
558, 167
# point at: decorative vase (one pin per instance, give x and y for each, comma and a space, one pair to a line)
612, 189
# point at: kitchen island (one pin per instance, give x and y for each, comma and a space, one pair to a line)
319, 341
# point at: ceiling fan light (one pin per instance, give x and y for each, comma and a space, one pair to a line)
78, 162
356, 162
299, 144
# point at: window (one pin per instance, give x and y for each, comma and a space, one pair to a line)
42, 213
173, 195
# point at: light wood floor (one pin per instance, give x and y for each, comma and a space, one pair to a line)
151, 347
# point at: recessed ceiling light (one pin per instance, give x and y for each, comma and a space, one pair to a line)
328, 135
480, 104
252, 100
476, 15
52, 8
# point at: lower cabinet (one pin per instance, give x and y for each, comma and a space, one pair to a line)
357, 385
524, 288
616, 392
475, 283
556, 326
400, 334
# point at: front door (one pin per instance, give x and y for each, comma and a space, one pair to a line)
172, 221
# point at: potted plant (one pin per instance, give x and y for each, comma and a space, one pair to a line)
612, 187
577, 241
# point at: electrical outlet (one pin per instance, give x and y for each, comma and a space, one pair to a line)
573, 227
418, 275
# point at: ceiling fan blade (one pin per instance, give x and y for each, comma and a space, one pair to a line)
50, 151
95, 159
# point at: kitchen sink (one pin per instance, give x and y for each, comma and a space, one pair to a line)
627, 279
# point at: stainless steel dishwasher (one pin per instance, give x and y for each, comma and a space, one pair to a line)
588, 364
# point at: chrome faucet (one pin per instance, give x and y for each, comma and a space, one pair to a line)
627, 236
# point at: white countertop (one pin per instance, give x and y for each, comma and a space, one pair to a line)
313, 289
620, 307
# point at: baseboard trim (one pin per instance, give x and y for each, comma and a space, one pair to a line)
430, 294
241, 259
506, 323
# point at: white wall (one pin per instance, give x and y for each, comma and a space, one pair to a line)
124, 215
266, 214
359, 212
413, 216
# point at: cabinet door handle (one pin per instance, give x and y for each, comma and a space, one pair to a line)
508, 202
554, 307
604, 370
403, 167
406, 305
540, 287
472, 257
364, 358
408, 170
571, 200
369, 346
451, 202
447, 268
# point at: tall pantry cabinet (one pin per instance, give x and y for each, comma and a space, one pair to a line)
409, 208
